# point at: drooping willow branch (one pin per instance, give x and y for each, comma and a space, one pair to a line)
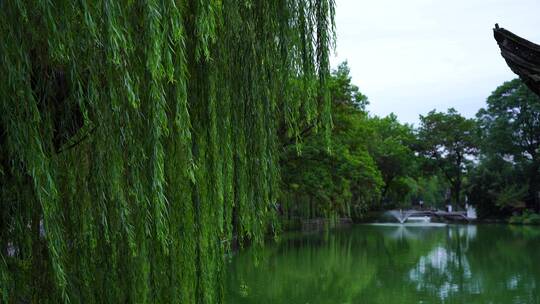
189, 96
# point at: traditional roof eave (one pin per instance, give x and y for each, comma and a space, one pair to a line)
521, 55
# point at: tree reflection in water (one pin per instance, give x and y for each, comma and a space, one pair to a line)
400, 264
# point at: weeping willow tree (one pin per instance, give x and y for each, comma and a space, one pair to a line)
137, 138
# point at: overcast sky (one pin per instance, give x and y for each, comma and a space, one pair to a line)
412, 56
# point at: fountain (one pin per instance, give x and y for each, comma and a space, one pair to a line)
409, 218
471, 212
399, 215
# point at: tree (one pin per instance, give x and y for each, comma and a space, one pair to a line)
343, 180
318, 183
448, 141
510, 129
138, 138
343, 91
391, 148
496, 187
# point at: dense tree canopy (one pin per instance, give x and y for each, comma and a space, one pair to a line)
340, 180
510, 127
138, 137
448, 140
370, 158
391, 148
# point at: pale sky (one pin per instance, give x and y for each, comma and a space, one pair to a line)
412, 56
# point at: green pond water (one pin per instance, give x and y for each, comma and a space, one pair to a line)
392, 264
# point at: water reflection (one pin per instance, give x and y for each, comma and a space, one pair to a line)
436, 273
400, 264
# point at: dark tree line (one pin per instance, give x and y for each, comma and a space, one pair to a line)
508, 174
490, 161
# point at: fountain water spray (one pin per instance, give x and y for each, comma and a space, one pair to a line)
399, 215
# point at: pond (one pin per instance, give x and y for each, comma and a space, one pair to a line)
392, 264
